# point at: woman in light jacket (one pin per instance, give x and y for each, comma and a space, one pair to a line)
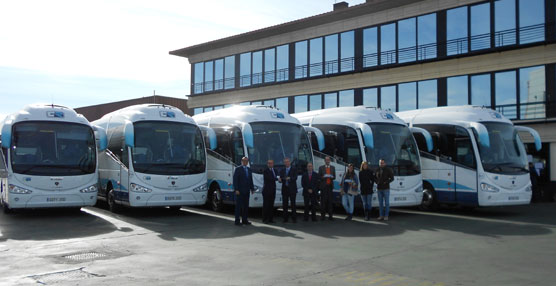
349, 190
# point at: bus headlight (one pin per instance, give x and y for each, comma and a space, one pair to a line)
139, 189
529, 188
17, 190
489, 188
90, 189
201, 188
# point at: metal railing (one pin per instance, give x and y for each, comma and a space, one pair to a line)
523, 111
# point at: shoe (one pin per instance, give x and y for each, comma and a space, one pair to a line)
380, 218
385, 218
330, 218
347, 218
237, 223
247, 223
366, 218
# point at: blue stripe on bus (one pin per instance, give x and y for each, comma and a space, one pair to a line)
443, 184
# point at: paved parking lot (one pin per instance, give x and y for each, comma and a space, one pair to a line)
498, 246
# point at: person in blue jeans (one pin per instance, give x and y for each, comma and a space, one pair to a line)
349, 190
366, 180
383, 177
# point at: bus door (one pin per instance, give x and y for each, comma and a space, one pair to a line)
444, 183
465, 168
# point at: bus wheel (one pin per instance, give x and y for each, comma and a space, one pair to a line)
429, 201
215, 199
112, 205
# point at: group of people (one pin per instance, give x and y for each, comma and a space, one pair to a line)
312, 182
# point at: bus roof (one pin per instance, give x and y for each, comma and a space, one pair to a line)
456, 115
149, 111
345, 115
46, 112
237, 114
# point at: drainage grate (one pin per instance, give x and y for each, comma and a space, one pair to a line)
64, 276
87, 256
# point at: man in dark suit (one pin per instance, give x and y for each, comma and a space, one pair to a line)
243, 185
288, 178
269, 191
327, 174
310, 184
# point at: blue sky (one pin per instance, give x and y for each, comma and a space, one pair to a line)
78, 53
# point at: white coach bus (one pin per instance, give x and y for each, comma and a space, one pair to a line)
478, 157
155, 158
49, 159
260, 133
356, 134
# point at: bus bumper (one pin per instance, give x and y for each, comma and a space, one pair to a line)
167, 199
505, 199
20, 201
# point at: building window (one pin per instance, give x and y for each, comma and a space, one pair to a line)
458, 90
426, 37
347, 52
407, 94
208, 75
282, 63
480, 26
197, 110
229, 72
269, 65
315, 102
218, 107
532, 92
257, 68
301, 59
219, 74
505, 90
388, 98
256, 103
388, 44
531, 21
480, 90
346, 98
199, 75
315, 57
228, 105
282, 104
504, 23
456, 31
407, 40
269, 102
245, 69
330, 100
427, 94
300, 103
208, 109
331, 54
245, 103
370, 97
370, 47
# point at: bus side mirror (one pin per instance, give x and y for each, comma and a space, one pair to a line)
210, 135
129, 136
248, 135
482, 131
318, 134
6, 136
534, 133
426, 134
100, 134
367, 133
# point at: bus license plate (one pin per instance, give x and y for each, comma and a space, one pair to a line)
173, 198
513, 198
398, 199
55, 199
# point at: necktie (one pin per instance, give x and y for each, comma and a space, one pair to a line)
310, 175
287, 172
273, 174
246, 172
328, 181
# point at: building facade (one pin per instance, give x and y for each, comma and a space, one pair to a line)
397, 55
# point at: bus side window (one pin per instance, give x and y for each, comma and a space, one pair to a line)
223, 142
464, 148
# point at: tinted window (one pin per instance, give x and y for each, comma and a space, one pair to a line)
199, 75
532, 92
428, 95
315, 57
229, 72
531, 20
407, 93
456, 31
346, 98
347, 51
300, 103
370, 47
506, 93
257, 67
426, 37
388, 44
245, 69
388, 98
282, 63
504, 22
301, 59
370, 97
407, 40
315, 102
208, 75
269, 65
282, 104
330, 100
458, 90
219, 74
341, 142
331, 54
480, 90
480, 26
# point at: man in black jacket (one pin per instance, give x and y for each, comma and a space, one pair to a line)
327, 175
243, 185
269, 191
383, 177
310, 184
288, 178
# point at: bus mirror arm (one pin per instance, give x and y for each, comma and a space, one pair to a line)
534, 133
482, 131
318, 134
6, 136
209, 132
100, 134
426, 134
367, 133
129, 136
248, 135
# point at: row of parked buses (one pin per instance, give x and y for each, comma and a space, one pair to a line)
156, 156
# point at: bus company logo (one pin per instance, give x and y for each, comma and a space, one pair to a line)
27, 179
496, 115
55, 114
173, 183
168, 114
387, 116
277, 115
147, 178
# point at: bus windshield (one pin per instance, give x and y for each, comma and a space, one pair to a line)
53, 149
275, 140
506, 154
395, 144
168, 148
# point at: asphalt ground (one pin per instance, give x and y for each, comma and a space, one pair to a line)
195, 246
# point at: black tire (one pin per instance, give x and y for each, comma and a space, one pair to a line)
215, 201
430, 201
112, 205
